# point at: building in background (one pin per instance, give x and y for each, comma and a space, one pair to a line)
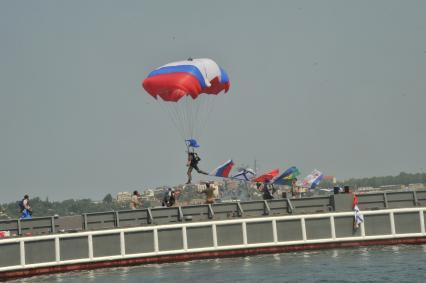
123, 197
331, 179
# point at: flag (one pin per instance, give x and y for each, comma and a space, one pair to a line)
191, 143
267, 176
358, 217
223, 170
286, 177
312, 180
244, 175
355, 203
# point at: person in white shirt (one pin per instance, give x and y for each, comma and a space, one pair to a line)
135, 202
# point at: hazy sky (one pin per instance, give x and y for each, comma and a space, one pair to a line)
335, 85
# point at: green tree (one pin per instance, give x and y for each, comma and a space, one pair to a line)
108, 199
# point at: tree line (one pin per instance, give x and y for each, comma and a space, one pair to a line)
401, 179
62, 208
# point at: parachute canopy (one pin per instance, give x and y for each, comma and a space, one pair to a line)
191, 77
188, 90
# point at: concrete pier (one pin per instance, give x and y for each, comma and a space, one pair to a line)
221, 230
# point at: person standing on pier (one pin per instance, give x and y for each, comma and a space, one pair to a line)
135, 202
25, 208
169, 198
268, 191
210, 194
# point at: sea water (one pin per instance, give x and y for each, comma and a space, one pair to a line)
403, 263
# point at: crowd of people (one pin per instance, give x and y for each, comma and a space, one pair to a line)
170, 196
168, 200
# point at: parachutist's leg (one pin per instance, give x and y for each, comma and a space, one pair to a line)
200, 171
189, 174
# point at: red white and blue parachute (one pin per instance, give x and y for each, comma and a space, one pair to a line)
191, 77
186, 89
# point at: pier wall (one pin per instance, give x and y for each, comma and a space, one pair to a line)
217, 211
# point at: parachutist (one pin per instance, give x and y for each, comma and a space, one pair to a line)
192, 163
178, 87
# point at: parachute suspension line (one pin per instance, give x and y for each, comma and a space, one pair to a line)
186, 111
199, 105
192, 104
183, 112
195, 117
209, 104
176, 107
182, 116
188, 115
194, 120
173, 117
189, 118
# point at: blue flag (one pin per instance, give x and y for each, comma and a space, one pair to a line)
244, 174
192, 143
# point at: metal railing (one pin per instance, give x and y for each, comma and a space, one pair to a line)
217, 211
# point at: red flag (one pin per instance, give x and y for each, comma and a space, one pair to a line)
355, 201
267, 176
